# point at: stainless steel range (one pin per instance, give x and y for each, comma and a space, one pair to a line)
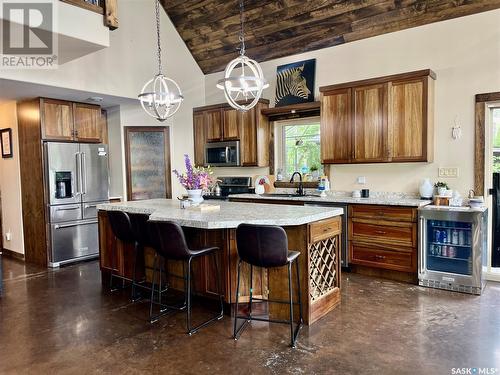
78, 180
232, 185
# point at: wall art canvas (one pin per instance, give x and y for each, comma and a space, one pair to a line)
295, 83
6, 141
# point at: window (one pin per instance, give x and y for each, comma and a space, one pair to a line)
300, 147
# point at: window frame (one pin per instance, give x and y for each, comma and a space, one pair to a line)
281, 141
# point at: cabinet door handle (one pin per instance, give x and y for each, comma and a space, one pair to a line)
380, 232
379, 257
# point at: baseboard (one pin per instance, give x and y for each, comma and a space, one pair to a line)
13, 254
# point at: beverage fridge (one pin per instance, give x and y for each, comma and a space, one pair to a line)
78, 180
452, 248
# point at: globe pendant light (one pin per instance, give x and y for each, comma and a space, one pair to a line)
161, 96
243, 80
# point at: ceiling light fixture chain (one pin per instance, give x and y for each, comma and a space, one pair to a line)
161, 96
241, 90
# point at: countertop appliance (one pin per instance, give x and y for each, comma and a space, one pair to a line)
78, 180
223, 154
232, 185
452, 248
344, 248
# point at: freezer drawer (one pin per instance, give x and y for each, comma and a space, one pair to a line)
65, 212
90, 209
73, 240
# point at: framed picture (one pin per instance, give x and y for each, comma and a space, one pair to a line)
6, 139
295, 83
147, 160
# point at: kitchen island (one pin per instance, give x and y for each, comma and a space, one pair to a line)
314, 231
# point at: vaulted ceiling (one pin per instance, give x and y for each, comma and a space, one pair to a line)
280, 28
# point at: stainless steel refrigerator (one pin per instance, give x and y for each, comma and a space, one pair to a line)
78, 180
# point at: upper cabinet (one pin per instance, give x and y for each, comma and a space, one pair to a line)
221, 122
67, 121
387, 119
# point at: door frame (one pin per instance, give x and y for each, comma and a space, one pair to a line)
168, 178
482, 102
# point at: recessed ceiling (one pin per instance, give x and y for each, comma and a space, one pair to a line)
286, 27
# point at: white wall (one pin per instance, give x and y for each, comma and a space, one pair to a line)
121, 70
464, 53
10, 184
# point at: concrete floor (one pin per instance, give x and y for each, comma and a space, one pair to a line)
62, 321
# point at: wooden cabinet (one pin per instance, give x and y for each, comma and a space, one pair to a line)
87, 120
199, 138
222, 123
336, 126
67, 121
231, 127
369, 135
379, 120
383, 237
56, 119
410, 116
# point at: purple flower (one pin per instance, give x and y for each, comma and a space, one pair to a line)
194, 178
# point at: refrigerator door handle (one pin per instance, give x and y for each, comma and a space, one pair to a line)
78, 174
422, 245
84, 173
62, 226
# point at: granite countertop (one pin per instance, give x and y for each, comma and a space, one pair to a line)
230, 215
386, 200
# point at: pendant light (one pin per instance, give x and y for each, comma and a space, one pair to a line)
243, 80
160, 97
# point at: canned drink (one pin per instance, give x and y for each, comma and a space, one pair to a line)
437, 250
444, 251
437, 235
461, 237
452, 252
444, 237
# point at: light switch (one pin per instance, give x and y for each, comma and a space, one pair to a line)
448, 172
362, 180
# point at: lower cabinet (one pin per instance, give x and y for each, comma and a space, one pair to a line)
383, 237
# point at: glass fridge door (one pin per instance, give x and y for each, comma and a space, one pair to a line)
449, 246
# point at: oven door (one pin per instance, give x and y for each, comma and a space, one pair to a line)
223, 154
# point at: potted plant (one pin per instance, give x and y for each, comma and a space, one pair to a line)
195, 180
315, 172
441, 188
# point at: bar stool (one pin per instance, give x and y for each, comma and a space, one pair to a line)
173, 246
130, 229
266, 247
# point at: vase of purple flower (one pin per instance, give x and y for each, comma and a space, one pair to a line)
195, 180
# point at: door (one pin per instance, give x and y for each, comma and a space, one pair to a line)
336, 126
87, 123
214, 125
95, 175
199, 138
370, 135
63, 160
408, 120
56, 119
147, 157
231, 124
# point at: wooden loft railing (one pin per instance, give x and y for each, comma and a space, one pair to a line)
108, 8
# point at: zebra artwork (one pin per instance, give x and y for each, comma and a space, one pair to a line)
292, 84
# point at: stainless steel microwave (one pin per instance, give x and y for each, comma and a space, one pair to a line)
223, 154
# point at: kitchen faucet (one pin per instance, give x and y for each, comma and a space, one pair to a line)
300, 190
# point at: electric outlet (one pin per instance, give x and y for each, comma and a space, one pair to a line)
448, 172
8, 236
361, 180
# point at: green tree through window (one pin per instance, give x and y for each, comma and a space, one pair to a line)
301, 148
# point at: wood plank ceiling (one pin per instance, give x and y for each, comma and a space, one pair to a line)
285, 27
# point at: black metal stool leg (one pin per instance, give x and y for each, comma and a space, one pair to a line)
134, 297
151, 318
299, 293
290, 291
188, 296
251, 292
237, 299
219, 287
